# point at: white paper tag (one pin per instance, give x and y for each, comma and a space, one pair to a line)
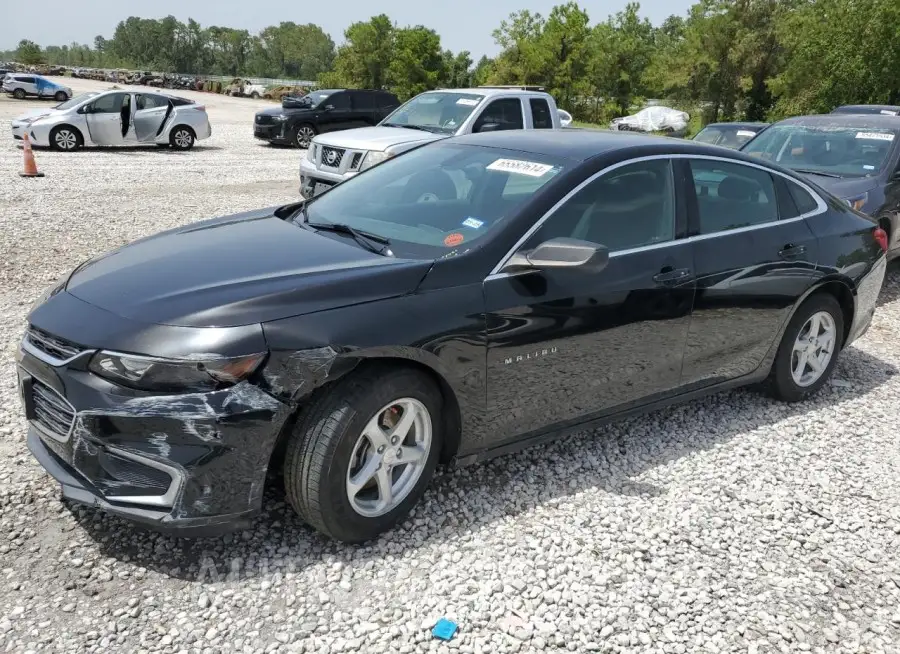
887, 112
474, 223
877, 136
745, 132
469, 102
530, 168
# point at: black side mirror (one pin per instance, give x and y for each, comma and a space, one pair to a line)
488, 127
561, 253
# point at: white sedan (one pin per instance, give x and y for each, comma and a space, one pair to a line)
116, 118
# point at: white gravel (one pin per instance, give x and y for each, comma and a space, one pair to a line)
732, 524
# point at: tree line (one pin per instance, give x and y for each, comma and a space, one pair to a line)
751, 59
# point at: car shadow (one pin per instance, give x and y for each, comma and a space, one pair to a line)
609, 460
128, 149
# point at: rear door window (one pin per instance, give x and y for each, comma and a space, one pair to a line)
731, 195
540, 113
362, 101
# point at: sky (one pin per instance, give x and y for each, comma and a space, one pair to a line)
462, 24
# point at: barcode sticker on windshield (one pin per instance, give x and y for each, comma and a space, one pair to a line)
469, 102
530, 168
745, 132
878, 136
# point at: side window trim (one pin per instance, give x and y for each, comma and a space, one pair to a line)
820, 208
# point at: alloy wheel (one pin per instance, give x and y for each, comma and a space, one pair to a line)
66, 140
183, 139
813, 349
305, 136
389, 457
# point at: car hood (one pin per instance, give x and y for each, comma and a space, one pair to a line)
376, 138
36, 113
239, 270
847, 187
278, 111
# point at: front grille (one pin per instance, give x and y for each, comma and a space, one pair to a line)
331, 157
263, 119
51, 411
135, 474
51, 345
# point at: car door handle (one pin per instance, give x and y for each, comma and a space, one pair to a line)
790, 251
669, 276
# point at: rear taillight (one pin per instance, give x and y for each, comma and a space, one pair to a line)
882, 238
200, 108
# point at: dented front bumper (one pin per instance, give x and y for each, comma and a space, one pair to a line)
191, 463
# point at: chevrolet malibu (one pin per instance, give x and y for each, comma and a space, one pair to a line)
116, 118
356, 340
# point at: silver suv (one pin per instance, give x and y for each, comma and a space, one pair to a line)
335, 157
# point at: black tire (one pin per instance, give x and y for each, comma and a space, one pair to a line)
318, 456
303, 135
60, 96
19, 94
182, 137
66, 138
254, 95
429, 183
781, 383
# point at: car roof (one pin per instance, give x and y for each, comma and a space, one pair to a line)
864, 108
844, 120
490, 91
737, 124
581, 145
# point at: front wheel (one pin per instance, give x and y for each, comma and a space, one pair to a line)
66, 139
182, 138
304, 136
809, 349
362, 455
60, 96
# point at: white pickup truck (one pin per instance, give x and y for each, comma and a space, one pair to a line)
335, 157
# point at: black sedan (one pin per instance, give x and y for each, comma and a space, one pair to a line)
356, 340
882, 109
856, 157
729, 135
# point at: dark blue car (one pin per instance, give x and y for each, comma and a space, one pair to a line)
854, 156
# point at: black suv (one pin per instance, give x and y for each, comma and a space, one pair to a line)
299, 119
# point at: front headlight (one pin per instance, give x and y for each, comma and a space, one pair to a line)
175, 375
372, 159
280, 118
858, 202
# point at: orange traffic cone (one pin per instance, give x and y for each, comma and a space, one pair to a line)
30, 165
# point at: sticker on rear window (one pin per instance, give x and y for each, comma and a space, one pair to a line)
454, 239
469, 102
878, 136
530, 168
745, 132
474, 223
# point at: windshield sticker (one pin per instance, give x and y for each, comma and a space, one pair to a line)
530, 168
454, 239
867, 167
878, 136
474, 223
469, 102
887, 112
745, 132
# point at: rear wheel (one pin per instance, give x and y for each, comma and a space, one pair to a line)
182, 138
254, 95
66, 139
809, 349
19, 94
362, 455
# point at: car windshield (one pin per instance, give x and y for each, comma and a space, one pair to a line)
435, 111
439, 199
729, 137
827, 149
309, 100
77, 100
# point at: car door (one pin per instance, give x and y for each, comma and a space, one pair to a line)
335, 114
105, 118
500, 114
150, 113
754, 256
28, 84
362, 105
568, 345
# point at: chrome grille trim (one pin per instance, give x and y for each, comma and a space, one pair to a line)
338, 156
49, 348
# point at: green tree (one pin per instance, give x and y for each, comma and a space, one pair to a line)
416, 63
29, 53
363, 61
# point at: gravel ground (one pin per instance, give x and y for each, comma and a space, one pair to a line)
731, 524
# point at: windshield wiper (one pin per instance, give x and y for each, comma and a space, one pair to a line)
372, 242
406, 126
817, 172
